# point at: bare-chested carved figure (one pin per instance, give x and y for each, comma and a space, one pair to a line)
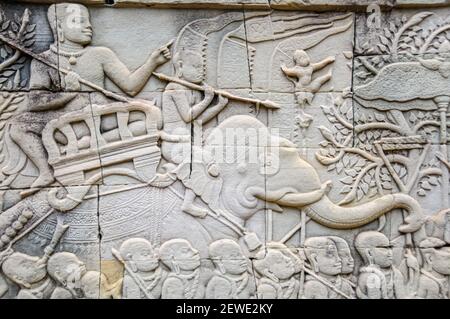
185, 280
73, 32
322, 253
379, 278
233, 278
181, 107
301, 74
434, 277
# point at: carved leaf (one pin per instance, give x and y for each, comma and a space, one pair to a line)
326, 133
426, 185
14, 26
345, 189
347, 180
5, 25
351, 172
386, 185
31, 27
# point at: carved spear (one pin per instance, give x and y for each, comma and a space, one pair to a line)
268, 104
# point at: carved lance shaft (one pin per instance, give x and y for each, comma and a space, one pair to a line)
267, 104
39, 58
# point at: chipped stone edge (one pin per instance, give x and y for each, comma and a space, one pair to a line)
352, 5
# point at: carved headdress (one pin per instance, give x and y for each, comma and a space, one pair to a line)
194, 36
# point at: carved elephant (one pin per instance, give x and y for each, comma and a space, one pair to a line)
232, 185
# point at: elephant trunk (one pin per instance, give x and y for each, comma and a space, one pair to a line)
331, 215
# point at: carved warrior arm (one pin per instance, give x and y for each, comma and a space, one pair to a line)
190, 113
320, 65
132, 82
292, 72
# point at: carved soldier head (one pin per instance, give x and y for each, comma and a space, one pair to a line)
95, 285
374, 248
435, 255
277, 262
66, 269
139, 254
189, 65
301, 58
24, 270
228, 257
70, 22
348, 263
179, 255
322, 254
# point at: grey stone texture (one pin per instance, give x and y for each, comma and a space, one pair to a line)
224, 149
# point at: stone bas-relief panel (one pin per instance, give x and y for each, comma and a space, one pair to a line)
226, 154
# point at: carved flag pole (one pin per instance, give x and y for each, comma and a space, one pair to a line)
268, 104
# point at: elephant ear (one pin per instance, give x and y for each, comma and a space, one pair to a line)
203, 179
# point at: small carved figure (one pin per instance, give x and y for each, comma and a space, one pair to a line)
323, 256
95, 285
379, 278
232, 279
29, 273
348, 263
434, 276
181, 107
302, 76
277, 265
184, 280
67, 270
72, 51
143, 276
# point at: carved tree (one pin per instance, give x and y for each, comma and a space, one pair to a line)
12, 61
383, 156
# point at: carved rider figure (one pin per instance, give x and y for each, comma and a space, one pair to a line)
277, 265
323, 256
434, 277
185, 280
232, 279
379, 278
143, 261
72, 32
181, 107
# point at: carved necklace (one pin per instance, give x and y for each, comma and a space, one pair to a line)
153, 278
191, 282
72, 56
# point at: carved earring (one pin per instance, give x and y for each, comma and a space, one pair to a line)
175, 266
60, 33
369, 257
221, 267
133, 266
314, 263
178, 72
